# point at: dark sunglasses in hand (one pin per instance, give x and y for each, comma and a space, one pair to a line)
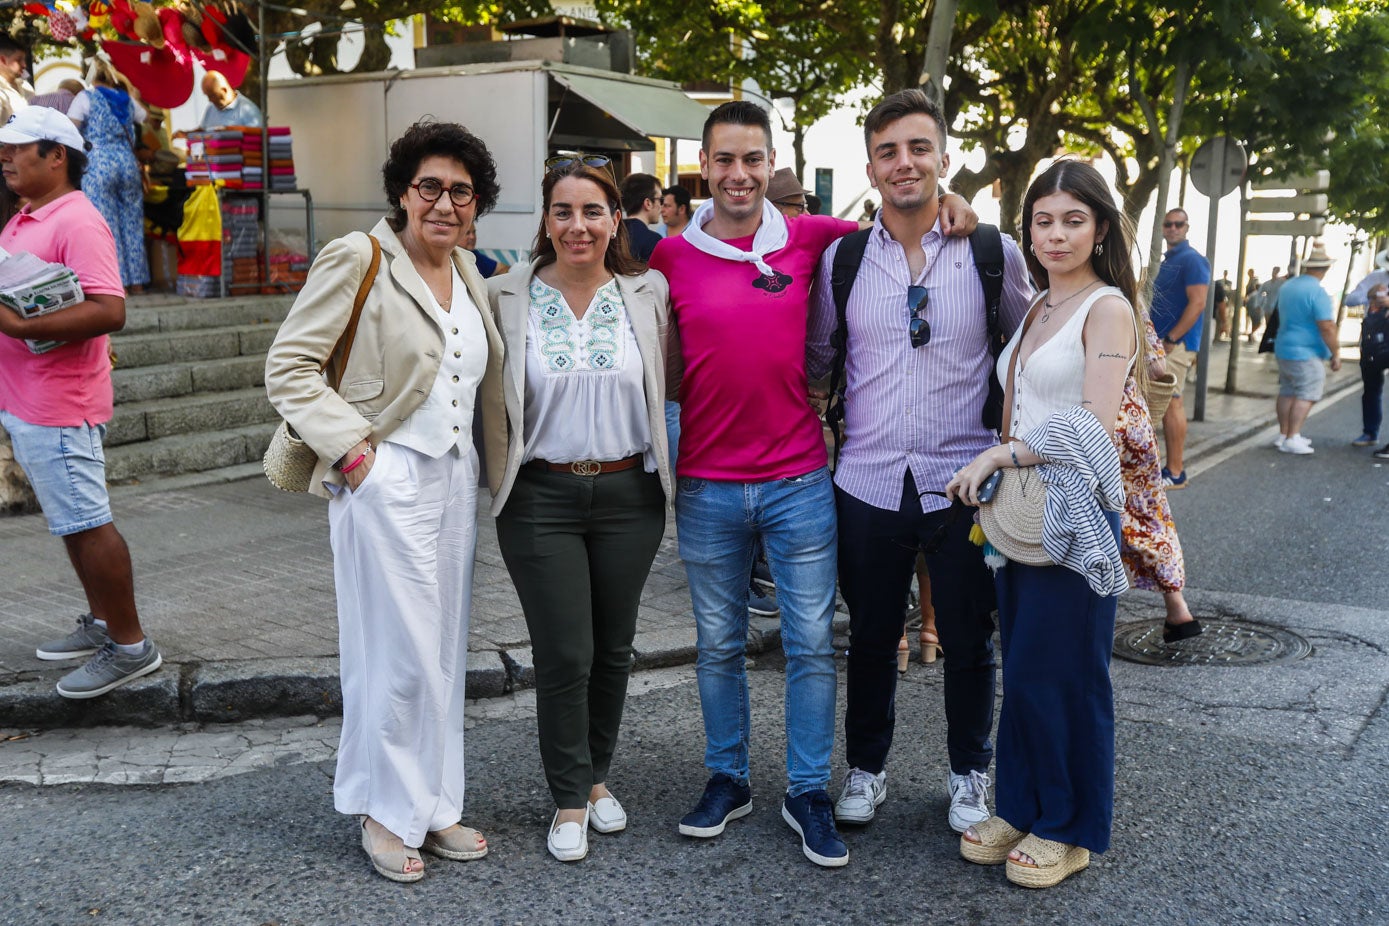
917, 327
561, 161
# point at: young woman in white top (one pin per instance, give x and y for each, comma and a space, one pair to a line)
581, 508
1055, 765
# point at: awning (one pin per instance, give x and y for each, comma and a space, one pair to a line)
647, 109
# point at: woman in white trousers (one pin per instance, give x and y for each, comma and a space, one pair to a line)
396, 458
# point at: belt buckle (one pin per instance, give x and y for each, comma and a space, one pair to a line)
586, 468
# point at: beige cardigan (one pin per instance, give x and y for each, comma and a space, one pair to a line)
646, 298
394, 359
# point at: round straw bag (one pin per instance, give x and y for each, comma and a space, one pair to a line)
1012, 521
289, 462
1158, 395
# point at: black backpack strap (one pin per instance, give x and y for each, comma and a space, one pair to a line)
847, 258
986, 243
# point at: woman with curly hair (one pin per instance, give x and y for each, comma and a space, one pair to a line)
396, 458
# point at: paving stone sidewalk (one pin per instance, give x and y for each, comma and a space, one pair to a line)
234, 581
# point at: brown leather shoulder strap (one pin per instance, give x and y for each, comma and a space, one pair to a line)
350, 335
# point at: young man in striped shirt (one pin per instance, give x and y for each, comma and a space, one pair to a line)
913, 405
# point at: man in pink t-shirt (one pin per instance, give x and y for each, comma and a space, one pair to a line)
55, 404
752, 464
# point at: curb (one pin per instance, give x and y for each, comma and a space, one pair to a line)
242, 689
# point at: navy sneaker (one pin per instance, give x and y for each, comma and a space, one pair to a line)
762, 574
724, 799
1365, 440
762, 603
1170, 482
812, 816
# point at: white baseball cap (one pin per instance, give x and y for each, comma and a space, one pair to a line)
40, 123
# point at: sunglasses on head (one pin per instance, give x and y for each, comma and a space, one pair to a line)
561, 161
918, 328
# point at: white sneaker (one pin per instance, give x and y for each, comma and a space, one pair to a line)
1297, 444
969, 799
1278, 442
863, 792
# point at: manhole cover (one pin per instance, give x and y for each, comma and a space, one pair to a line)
1224, 643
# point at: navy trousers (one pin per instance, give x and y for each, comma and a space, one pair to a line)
1055, 772
877, 559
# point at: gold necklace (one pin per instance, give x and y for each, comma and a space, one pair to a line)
1049, 305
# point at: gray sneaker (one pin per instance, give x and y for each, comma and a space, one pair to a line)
108, 669
85, 640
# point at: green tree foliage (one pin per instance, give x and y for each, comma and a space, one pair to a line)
807, 53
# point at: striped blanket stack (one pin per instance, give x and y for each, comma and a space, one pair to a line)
233, 157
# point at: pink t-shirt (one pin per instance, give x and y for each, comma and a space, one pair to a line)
70, 384
744, 414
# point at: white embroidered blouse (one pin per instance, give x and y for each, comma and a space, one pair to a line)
585, 398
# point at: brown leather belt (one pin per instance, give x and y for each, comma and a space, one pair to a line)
588, 467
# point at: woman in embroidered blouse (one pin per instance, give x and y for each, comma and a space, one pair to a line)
396, 457
581, 508
1055, 772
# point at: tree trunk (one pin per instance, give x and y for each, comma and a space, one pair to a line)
932, 78
1166, 160
798, 146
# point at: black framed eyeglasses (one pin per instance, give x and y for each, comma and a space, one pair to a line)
917, 327
561, 161
430, 190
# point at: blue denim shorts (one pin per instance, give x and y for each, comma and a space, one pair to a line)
67, 468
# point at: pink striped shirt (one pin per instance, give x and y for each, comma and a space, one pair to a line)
904, 407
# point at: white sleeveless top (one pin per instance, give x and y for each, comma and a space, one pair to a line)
1054, 376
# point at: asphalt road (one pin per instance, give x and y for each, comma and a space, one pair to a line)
1245, 795
1303, 527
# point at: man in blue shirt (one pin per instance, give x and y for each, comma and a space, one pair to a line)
226, 106
1179, 301
1306, 337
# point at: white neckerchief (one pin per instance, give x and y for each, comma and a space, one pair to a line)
770, 237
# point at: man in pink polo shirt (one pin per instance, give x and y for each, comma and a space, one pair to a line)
55, 405
752, 464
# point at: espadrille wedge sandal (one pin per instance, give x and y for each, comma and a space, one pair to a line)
997, 837
1056, 862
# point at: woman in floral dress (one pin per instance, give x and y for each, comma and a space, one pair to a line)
108, 118
1150, 548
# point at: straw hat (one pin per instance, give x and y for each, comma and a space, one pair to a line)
1012, 522
1318, 259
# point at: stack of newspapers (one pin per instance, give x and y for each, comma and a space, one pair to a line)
31, 287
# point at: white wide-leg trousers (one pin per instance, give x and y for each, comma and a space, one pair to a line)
403, 564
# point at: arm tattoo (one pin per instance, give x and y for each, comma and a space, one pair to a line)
1112, 357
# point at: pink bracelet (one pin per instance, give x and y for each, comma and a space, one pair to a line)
353, 465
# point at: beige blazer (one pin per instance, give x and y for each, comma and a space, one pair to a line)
646, 299
394, 359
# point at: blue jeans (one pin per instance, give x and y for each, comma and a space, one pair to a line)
795, 519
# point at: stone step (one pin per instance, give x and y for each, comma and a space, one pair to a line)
165, 380
210, 313
187, 453
210, 411
166, 347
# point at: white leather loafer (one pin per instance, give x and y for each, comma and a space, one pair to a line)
568, 842
607, 815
